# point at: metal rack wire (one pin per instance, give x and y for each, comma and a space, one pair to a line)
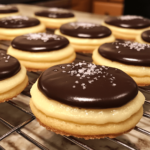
18, 128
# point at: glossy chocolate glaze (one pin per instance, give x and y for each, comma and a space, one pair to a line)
8, 9
85, 30
88, 86
55, 13
126, 52
146, 36
131, 22
39, 42
9, 66
18, 22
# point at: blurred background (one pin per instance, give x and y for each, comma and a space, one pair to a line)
103, 7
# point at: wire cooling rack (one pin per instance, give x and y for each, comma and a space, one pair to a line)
87, 57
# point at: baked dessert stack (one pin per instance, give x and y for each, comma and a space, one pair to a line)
39, 51
127, 27
8, 10
13, 78
144, 37
85, 36
86, 100
131, 57
53, 18
13, 26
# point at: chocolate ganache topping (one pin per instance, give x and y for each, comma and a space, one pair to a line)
85, 30
146, 36
18, 22
87, 85
131, 22
39, 42
8, 9
55, 13
126, 52
9, 65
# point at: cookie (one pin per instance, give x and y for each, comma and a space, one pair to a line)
144, 37
8, 10
13, 78
13, 26
86, 101
85, 37
53, 18
127, 27
131, 57
39, 51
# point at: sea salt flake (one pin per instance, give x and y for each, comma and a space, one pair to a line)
113, 84
55, 70
8, 56
42, 36
76, 82
84, 87
130, 17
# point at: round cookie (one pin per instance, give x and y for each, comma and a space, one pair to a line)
8, 10
144, 37
54, 17
127, 27
85, 37
39, 51
86, 101
13, 78
131, 57
13, 26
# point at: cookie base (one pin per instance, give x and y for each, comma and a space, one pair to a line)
42, 66
14, 92
73, 129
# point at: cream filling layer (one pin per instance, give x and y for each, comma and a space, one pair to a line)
10, 83
9, 14
129, 32
88, 131
42, 56
139, 71
86, 41
45, 65
65, 112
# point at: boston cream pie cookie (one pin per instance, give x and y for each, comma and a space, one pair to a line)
39, 51
86, 101
85, 37
13, 78
131, 57
127, 27
8, 10
13, 26
144, 37
55, 17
